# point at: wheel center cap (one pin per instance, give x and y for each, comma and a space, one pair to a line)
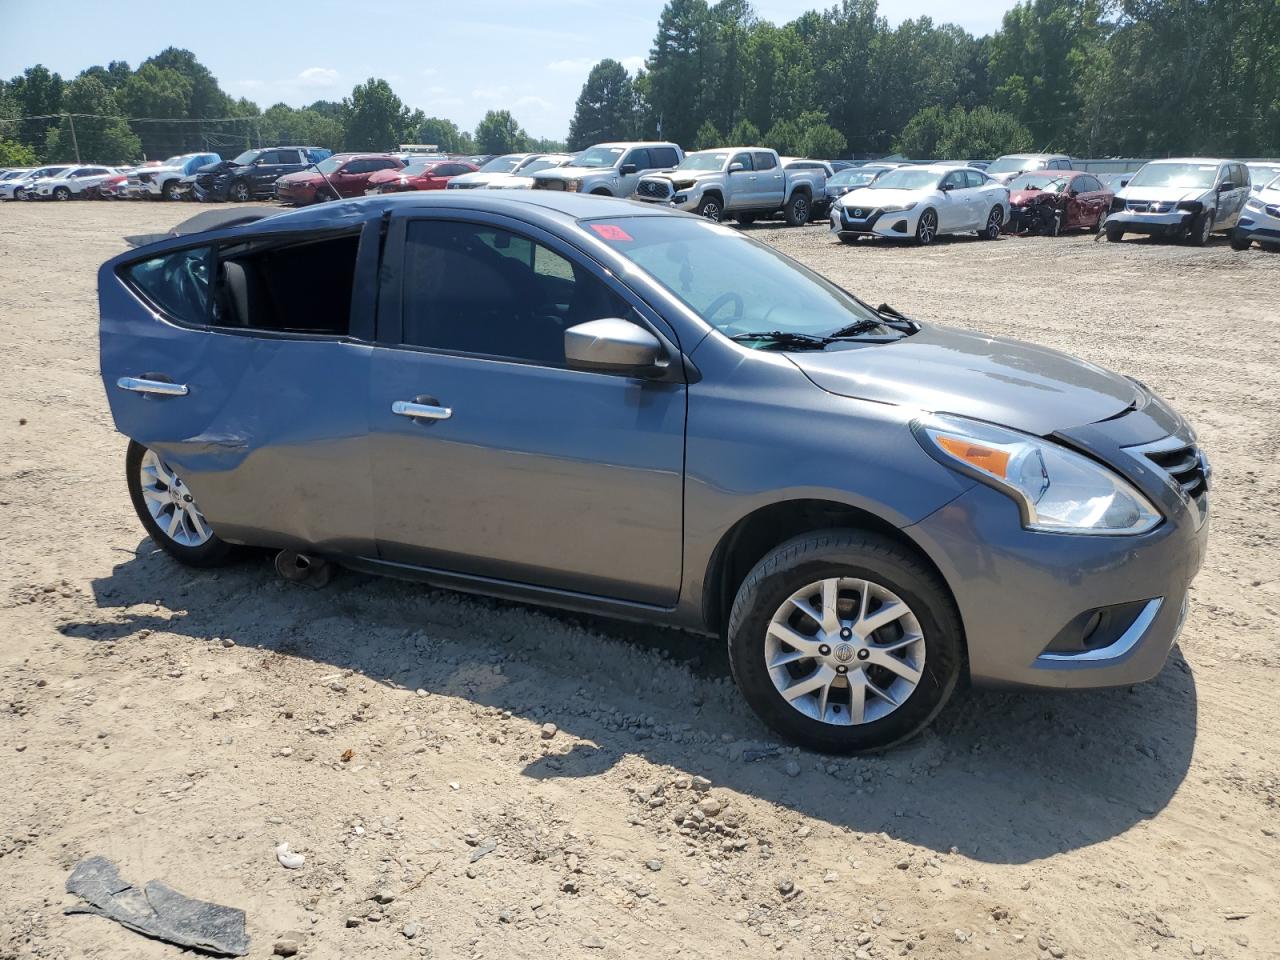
843, 652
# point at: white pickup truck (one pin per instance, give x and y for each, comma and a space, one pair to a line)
744, 183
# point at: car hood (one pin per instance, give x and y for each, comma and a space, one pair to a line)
870, 198
684, 176
1019, 197
388, 176
1166, 194
301, 176
572, 173
484, 179
1007, 382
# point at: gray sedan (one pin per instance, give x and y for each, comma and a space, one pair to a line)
577, 401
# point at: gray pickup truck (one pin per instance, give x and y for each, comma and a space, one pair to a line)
744, 183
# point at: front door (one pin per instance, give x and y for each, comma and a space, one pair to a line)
954, 213
509, 465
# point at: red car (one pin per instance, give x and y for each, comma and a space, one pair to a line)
1050, 201
419, 175
346, 173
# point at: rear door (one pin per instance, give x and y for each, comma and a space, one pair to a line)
527, 471
771, 182
246, 368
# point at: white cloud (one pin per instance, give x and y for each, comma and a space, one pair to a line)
632, 63
318, 77
532, 102
581, 65
491, 94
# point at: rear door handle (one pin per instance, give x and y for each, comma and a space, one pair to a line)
158, 388
421, 411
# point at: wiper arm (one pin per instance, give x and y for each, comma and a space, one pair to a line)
853, 329
887, 311
787, 338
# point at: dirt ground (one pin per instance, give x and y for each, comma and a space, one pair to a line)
183, 723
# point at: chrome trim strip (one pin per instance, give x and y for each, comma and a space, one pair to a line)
1118, 650
420, 411
159, 388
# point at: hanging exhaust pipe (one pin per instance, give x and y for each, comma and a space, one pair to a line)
301, 568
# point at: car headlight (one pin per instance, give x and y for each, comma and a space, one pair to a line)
574, 185
1255, 205
1056, 489
899, 207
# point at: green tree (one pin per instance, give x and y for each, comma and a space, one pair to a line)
373, 117
707, 136
788, 136
822, 141
959, 134
444, 134
281, 123
37, 93
680, 69
744, 134
157, 92
498, 132
101, 135
15, 154
605, 109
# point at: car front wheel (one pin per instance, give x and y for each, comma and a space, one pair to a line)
844, 641
168, 511
240, 191
711, 209
1201, 228
927, 228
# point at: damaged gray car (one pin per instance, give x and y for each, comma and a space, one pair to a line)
582, 402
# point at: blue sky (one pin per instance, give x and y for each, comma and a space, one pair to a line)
528, 56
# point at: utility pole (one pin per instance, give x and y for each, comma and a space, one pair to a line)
75, 144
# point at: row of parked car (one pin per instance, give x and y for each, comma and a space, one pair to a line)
1190, 198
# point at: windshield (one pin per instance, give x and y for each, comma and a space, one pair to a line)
542, 163
854, 177
330, 164
1198, 175
906, 179
1014, 164
246, 158
734, 283
1038, 181
177, 161
501, 164
703, 161
1273, 185
598, 157
49, 171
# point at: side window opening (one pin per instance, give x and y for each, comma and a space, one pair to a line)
477, 289
287, 287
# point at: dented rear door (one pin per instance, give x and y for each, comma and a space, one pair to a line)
269, 430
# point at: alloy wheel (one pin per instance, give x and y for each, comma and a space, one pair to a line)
927, 229
995, 222
171, 505
845, 651
711, 210
240, 192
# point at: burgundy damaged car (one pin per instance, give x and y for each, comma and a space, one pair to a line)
1050, 201
341, 175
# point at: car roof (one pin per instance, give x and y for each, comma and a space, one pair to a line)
1192, 160
1033, 156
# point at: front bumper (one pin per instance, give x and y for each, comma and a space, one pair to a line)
872, 222
300, 195
1132, 221
1029, 600
1260, 227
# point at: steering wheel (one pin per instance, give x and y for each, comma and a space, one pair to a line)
722, 301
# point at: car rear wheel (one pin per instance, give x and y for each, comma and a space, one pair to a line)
927, 228
169, 513
241, 191
711, 209
1240, 241
844, 641
745, 219
62, 193
995, 223
797, 210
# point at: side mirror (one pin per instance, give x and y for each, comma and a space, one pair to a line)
946, 187
736, 167
1226, 185
611, 345
628, 168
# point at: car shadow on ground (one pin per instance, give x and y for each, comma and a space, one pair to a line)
1004, 777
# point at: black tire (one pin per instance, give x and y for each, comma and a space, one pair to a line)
927, 230
995, 224
854, 553
601, 192
1114, 234
62, 193
797, 209
19, 193
241, 191
711, 207
850, 239
1240, 241
212, 553
170, 190
745, 219
1201, 228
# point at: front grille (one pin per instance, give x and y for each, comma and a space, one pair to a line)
1182, 462
654, 189
1151, 206
548, 185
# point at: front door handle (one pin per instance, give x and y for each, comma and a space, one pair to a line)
421, 411
158, 388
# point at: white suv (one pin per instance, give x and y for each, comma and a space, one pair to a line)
71, 183
610, 169
1010, 165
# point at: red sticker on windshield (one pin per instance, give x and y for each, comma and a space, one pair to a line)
610, 231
